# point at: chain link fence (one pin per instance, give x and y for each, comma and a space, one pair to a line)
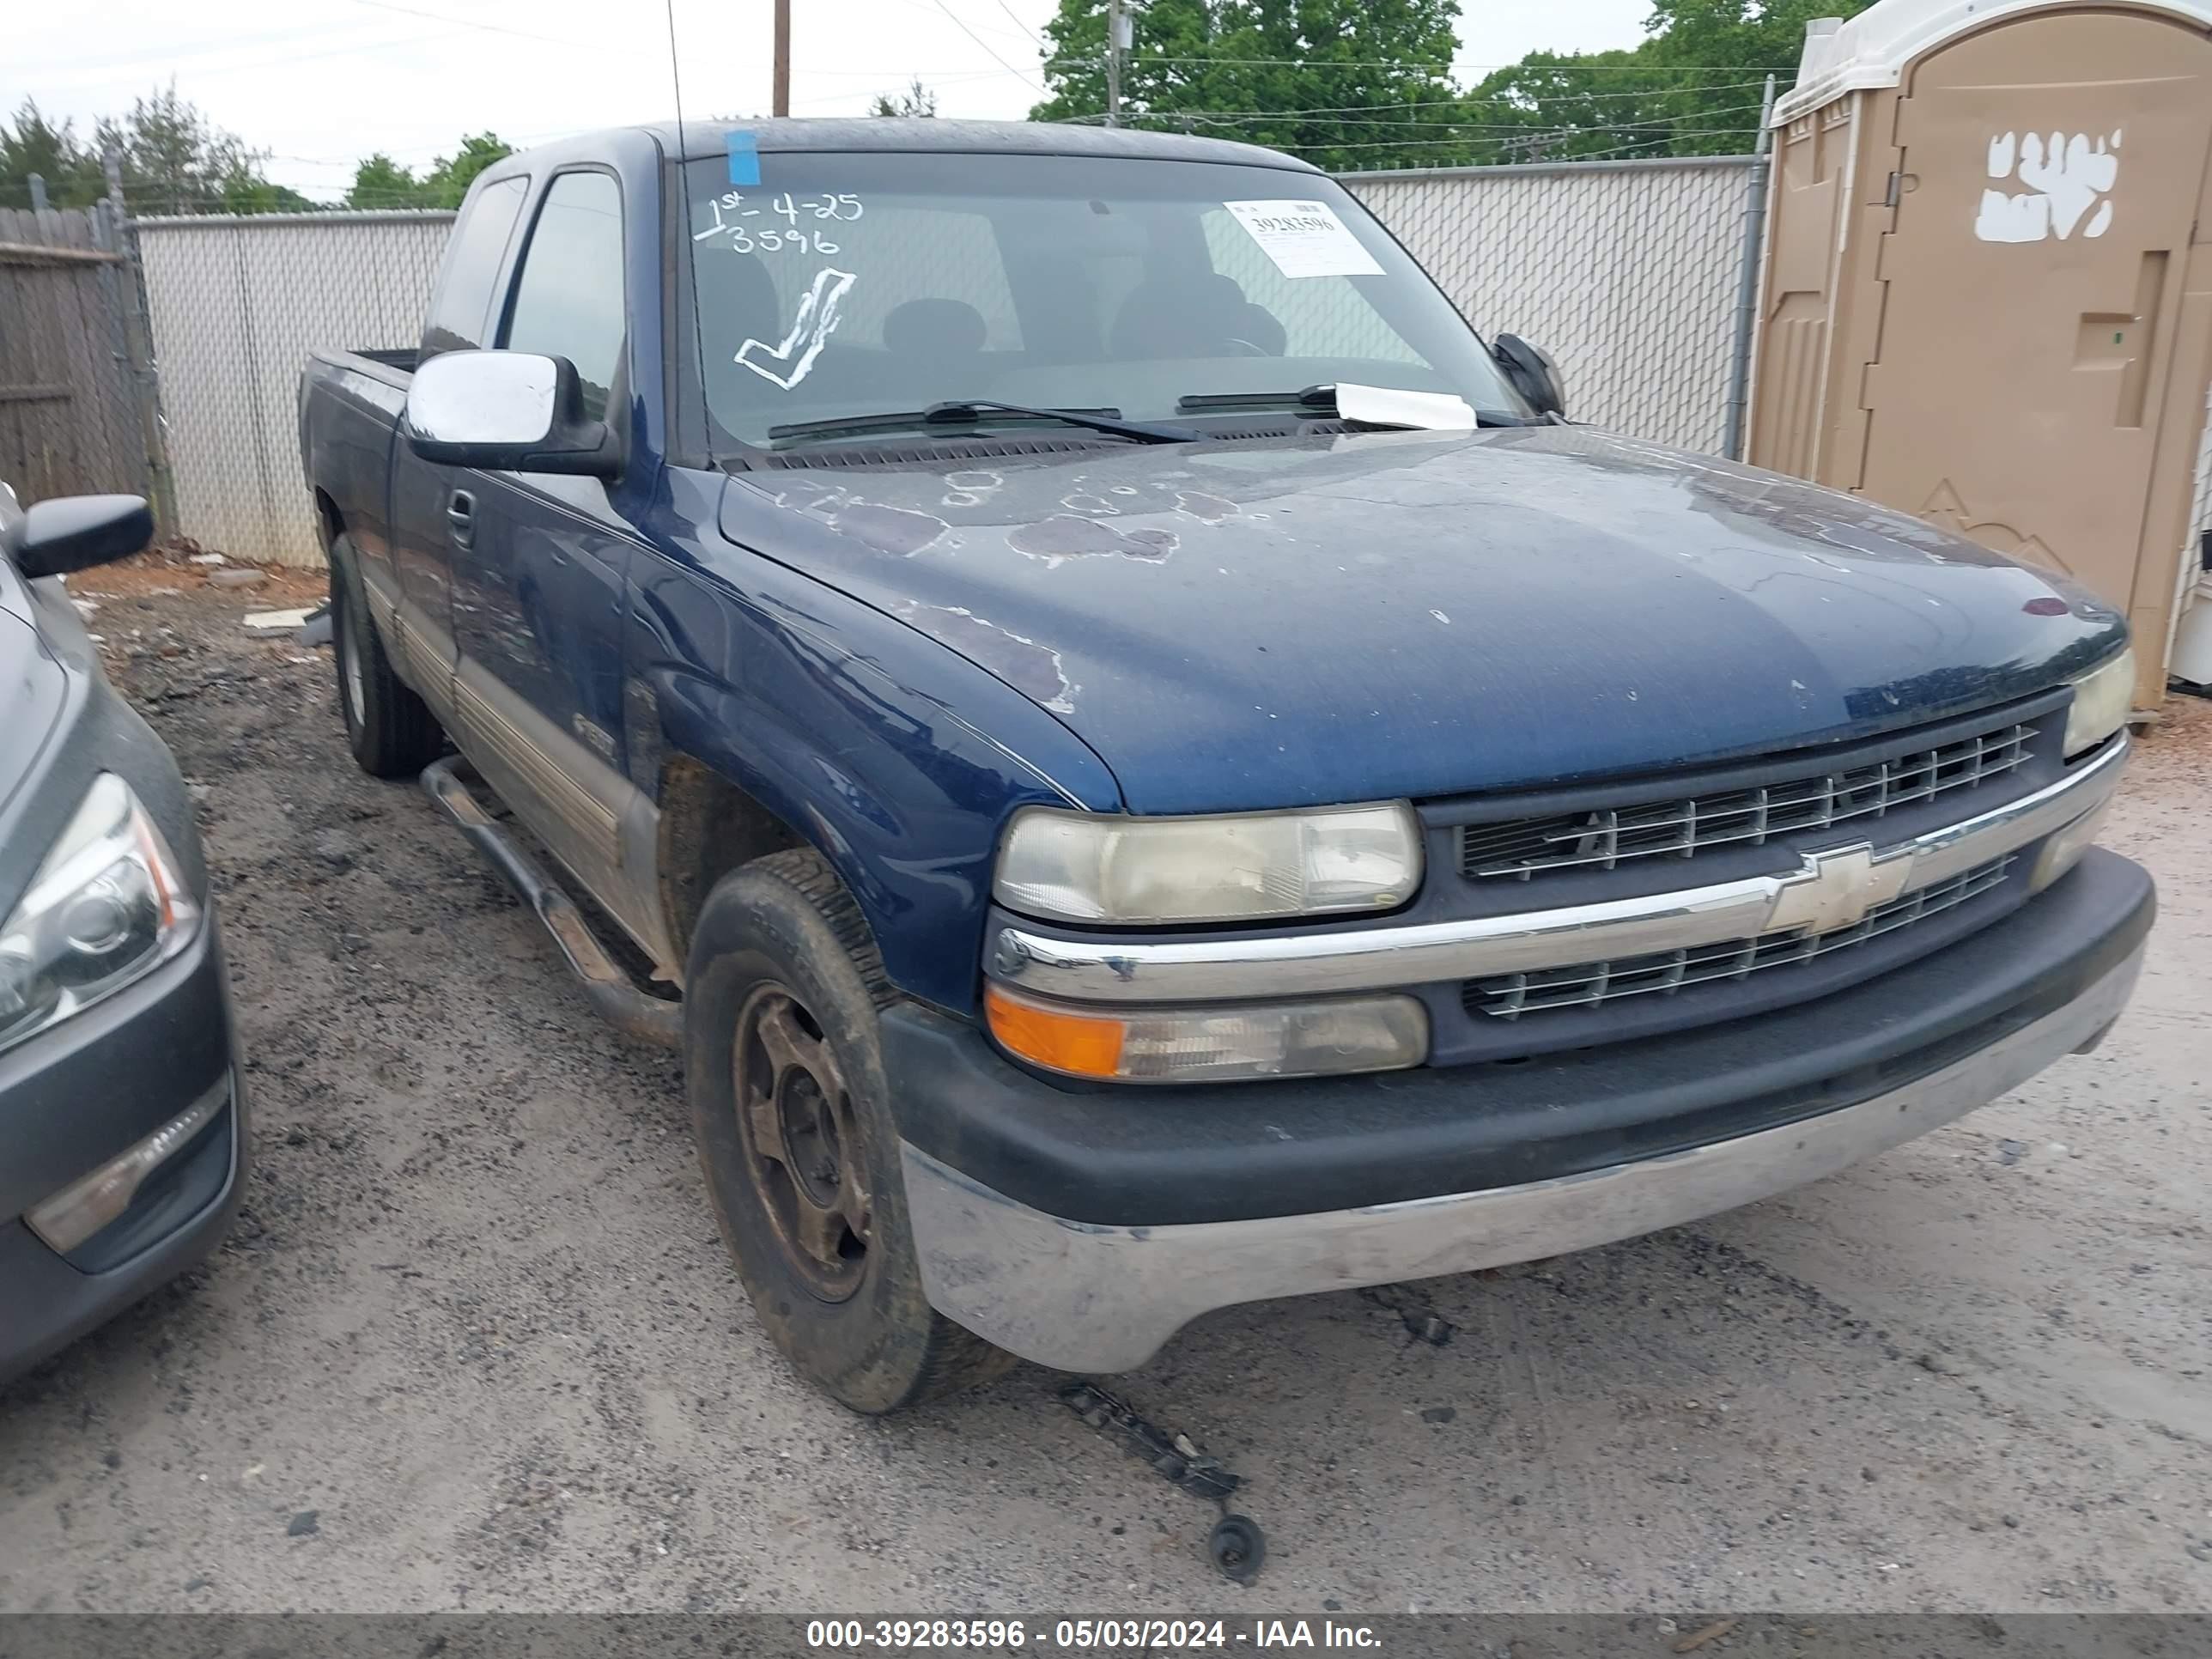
1625, 271
237, 304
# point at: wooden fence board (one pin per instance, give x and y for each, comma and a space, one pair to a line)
68, 420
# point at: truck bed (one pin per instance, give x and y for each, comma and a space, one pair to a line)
349, 405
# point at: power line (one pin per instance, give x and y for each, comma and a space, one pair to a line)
895, 87
466, 22
981, 42
1442, 103
1003, 68
1533, 133
429, 152
167, 56
287, 58
1018, 24
1456, 64
928, 5
1204, 119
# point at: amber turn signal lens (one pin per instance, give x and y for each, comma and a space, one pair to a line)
1218, 1043
1083, 1045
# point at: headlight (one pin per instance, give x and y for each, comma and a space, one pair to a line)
105, 906
2102, 698
1250, 866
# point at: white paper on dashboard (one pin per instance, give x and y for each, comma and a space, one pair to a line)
1386, 405
1304, 238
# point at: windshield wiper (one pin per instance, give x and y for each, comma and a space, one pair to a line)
966, 411
1321, 400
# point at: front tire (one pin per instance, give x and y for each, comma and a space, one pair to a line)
784, 1069
389, 729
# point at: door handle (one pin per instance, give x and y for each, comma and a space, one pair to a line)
461, 517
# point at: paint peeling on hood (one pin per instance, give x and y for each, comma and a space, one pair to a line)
900, 531
1613, 607
897, 529
1204, 508
1031, 669
1064, 536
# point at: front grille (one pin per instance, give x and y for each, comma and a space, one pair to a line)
1665, 973
1683, 827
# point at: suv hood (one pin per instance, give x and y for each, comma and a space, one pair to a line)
1409, 614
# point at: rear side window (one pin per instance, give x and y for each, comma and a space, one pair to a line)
569, 299
462, 305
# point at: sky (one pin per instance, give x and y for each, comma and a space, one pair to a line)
319, 84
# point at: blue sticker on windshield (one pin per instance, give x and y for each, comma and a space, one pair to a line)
744, 158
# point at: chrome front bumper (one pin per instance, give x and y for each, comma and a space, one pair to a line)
1087, 1298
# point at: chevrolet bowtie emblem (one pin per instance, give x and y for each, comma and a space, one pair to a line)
1836, 888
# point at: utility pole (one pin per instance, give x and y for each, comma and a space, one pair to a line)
782, 56
1117, 42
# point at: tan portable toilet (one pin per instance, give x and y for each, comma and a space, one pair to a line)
1988, 288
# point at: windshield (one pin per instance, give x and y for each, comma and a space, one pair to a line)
851, 285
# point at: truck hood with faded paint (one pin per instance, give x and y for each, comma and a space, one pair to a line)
1279, 623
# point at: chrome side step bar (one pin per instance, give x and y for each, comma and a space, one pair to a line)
612, 991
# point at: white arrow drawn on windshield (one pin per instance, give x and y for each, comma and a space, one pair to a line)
817, 319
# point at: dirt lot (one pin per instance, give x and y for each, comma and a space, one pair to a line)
474, 1344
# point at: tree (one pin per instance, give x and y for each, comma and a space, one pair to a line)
177, 161
380, 182
1692, 88
449, 176
35, 145
1745, 33
916, 99
1337, 82
1351, 84
174, 160
249, 192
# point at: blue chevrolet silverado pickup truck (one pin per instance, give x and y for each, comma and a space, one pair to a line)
1145, 765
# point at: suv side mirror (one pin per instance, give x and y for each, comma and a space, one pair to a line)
505, 411
1532, 372
74, 533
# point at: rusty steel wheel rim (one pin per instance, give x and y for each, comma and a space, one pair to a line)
802, 1142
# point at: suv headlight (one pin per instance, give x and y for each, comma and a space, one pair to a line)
106, 906
1245, 866
2102, 698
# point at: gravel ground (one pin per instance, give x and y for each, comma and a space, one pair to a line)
473, 1343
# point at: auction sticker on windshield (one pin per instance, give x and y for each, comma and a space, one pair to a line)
1305, 239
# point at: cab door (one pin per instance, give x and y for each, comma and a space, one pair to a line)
409, 580
539, 561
